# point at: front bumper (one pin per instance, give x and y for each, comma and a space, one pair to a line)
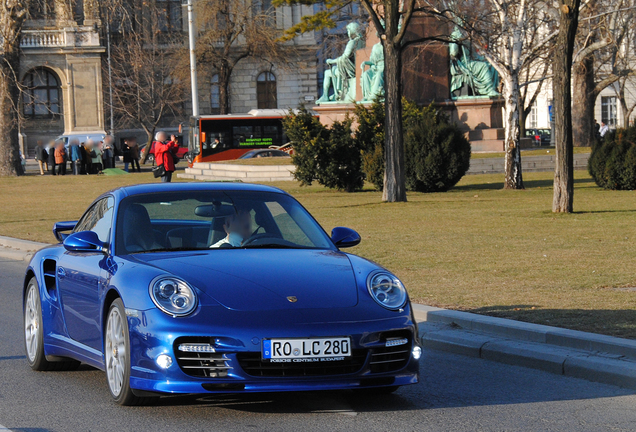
237, 340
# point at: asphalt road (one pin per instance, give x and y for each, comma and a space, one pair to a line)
456, 394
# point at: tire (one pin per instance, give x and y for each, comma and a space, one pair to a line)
33, 334
151, 158
117, 357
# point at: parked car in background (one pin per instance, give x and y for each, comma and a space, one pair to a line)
181, 288
262, 153
541, 137
82, 137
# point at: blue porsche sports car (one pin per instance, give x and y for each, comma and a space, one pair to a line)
215, 288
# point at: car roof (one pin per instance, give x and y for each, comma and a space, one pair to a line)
141, 189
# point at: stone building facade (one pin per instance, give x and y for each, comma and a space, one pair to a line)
62, 69
61, 73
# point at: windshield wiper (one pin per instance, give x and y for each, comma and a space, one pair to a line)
180, 249
268, 246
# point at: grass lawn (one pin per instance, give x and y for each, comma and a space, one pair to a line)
477, 248
546, 151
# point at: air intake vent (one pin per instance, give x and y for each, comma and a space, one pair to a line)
201, 364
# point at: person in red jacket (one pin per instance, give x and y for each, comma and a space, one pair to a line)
164, 154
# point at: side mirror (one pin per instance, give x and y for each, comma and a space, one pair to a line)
61, 227
344, 237
83, 241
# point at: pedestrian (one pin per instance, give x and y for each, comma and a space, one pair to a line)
603, 130
41, 156
76, 156
60, 158
50, 150
597, 128
109, 151
97, 164
134, 153
125, 149
165, 153
87, 165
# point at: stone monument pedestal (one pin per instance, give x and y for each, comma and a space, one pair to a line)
481, 119
330, 112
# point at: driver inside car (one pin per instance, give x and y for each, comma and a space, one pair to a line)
238, 228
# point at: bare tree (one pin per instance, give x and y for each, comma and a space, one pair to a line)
148, 83
233, 30
12, 16
390, 19
511, 35
603, 57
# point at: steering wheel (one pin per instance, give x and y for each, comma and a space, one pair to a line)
255, 237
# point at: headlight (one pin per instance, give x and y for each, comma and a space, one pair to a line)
387, 290
173, 296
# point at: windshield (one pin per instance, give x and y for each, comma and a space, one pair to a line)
198, 220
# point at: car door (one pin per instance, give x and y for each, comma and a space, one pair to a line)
82, 277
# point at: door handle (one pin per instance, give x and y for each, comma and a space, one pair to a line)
61, 273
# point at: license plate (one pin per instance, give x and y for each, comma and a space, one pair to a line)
295, 349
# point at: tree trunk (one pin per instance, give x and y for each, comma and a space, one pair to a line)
562, 103
224, 89
394, 178
12, 15
583, 97
514, 179
151, 138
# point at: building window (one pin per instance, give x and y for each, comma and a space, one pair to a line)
533, 116
267, 11
169, 14
266, 91
608, 110
215, 97
41, 95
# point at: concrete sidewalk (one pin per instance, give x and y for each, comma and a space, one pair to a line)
573, 353
19, 250
590, 356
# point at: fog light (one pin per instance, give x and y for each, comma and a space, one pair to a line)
164, 361
417, 353
194, 347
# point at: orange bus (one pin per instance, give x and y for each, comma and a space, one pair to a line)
226, 137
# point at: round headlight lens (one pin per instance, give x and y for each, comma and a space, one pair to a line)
173, 296
387, 290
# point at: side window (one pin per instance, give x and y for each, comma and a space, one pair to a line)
98, 219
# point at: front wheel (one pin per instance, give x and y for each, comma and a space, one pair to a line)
117, 356
33, 334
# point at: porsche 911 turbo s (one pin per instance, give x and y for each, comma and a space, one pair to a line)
215, 288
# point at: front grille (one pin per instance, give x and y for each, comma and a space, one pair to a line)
393, 358
201, 364
254, 366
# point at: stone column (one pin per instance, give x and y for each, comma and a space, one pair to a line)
91, 12
63, 13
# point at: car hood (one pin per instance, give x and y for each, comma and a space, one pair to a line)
265, 279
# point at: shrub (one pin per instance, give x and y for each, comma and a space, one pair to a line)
304, 130
370, 138
330, 156
612, 163
437, 154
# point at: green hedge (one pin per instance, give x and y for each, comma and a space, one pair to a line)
612, 163
437, 155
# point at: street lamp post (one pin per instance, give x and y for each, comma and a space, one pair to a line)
193, 60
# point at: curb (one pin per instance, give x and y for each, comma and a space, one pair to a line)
590, 356
19, 250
